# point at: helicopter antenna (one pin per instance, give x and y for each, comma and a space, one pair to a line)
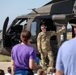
35, 11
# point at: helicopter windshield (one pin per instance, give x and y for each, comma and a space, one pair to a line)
21, 22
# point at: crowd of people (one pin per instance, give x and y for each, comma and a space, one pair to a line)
23, 56
25, 62
50, 71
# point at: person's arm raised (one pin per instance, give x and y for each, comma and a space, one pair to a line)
61, 30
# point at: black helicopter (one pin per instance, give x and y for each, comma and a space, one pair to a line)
54, 14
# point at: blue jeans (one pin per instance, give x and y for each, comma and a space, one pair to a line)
23, 72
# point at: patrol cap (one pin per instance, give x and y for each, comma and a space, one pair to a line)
43, 24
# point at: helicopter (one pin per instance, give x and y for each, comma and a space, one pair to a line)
54, 14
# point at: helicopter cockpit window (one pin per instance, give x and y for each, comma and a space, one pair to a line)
33, 32
15, 31
18, 22
33, 28
21, 22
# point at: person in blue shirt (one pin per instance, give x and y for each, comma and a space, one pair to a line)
66, 58
37, 61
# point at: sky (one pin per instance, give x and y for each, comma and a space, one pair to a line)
14, 8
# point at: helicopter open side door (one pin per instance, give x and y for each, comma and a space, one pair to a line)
4, 30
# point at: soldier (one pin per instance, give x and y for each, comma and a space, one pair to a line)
43, 44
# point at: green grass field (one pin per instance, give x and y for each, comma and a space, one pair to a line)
4, 58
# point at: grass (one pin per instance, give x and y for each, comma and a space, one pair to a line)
4, 58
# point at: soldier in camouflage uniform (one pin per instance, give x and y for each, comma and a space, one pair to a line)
43, 44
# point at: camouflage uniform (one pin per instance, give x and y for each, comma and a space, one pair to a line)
43, 44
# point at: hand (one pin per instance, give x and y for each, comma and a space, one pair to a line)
63, 27
40, 51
